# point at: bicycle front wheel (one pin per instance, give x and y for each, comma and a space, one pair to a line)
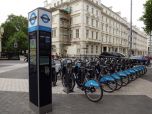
94, 94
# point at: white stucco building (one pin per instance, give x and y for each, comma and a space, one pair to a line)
87, 27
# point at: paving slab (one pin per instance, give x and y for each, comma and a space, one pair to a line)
135, 98
148, 75
18, 103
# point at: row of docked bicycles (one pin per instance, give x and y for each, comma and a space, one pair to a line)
100, 74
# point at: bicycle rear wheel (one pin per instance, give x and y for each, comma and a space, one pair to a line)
70, 83
94, 94
119, 84
125, 80
110, 86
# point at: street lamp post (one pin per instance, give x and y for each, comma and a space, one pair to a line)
150, 44
130, 40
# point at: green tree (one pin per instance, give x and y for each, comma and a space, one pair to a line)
15, 31
147, 16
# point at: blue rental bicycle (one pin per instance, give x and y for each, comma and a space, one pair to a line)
77, 75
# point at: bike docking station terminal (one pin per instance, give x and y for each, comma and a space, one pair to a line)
40, 76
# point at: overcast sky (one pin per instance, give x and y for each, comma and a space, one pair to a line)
22, 7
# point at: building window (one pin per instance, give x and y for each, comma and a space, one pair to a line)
92, 11
109, 22
71, 34
106, 38
106, 28
87, 34
96, 35
104, 49
97, 12
92, 49
87, 49
87, 20
78, 51
109, 39
96, 49
109, 29
102, 18
96, 23
102, 26
87, 8
92, 34
101, 37
92, 22
77, 33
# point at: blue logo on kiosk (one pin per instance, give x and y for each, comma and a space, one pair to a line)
45, 18
33, 18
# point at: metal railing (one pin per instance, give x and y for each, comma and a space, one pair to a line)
9, 55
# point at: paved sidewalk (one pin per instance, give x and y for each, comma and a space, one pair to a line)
135, 98
17, 80
12, 67
17, 103
16, 85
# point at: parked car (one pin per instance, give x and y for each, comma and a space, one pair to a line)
148, 57
111, 54
142, 59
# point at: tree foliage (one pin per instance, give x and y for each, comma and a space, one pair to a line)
15, 31
147, 16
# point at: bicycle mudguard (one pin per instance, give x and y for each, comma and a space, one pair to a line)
131, 71
135, 69
91, 83
139, 69
115, 76
122, 74
106, 78
127, 72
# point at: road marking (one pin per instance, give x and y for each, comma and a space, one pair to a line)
13, 67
